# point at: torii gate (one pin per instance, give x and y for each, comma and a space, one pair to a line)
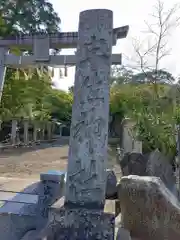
40, 44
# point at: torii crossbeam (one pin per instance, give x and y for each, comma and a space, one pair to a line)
56, 40
41, 45
13, 61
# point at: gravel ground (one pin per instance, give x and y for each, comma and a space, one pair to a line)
28, 163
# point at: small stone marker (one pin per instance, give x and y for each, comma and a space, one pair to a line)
52, 188
133, 164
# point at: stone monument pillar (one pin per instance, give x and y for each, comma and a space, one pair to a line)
86, 174
2, 70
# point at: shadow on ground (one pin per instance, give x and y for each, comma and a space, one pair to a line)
21, 150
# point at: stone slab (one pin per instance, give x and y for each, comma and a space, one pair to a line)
79, 224
24, 203
109, 207
20, 197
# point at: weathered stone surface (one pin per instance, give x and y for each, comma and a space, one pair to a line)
153, 164
52, 175
86, 174
148, 209
159, 166
13, 226
123, 234
133, 164
17, 218
30, 235
51, 189
111, 189
82, 225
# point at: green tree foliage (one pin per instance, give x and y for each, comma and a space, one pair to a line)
60, 105
24, 93
120, 75
155, 120
32, 96
161, 76
22, 16
26, 90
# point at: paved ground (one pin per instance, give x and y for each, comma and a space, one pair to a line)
30, 162
21, 167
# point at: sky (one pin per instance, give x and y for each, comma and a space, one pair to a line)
125, 12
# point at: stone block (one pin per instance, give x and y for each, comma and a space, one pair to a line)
123, 234
79, 224
111, 182
52, 175
148, 209
20, 214
133, 164
13, 226
52, 189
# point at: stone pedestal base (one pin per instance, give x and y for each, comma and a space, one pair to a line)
79, 224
